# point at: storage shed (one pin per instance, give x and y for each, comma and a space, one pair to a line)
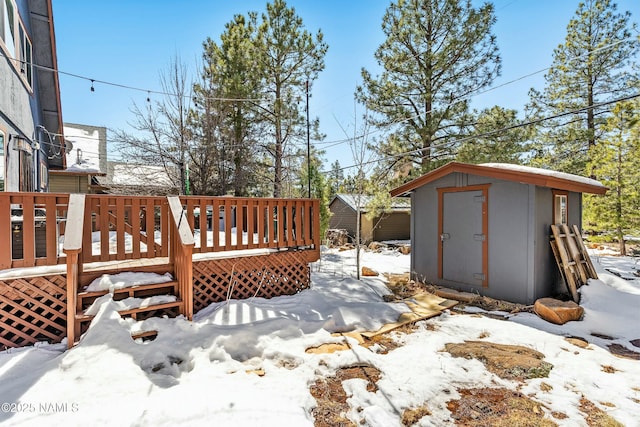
485, 228
393, 224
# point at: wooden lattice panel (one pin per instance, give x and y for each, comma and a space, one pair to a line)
267, 276
31, 310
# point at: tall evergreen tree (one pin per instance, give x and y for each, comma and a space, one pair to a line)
226, 120
615, 161
336, 177
488, 141
591, 66
436, 53
320, 188
290, 57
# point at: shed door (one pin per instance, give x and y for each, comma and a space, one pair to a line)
463, 237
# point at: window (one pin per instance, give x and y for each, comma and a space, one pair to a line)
44, 175
26, 59
7, 28
16, 40
560, 199
3, 19
1, 160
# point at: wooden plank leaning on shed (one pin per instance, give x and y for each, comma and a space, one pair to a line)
572, 257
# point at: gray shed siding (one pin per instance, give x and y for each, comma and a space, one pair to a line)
521, 267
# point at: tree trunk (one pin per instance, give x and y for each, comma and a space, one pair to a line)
591, 126
277, 178
619, 228
358, 212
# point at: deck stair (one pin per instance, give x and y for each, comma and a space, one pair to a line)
86, 298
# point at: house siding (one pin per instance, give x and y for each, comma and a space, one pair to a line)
342, 217
393, 226
21, 105
69, 184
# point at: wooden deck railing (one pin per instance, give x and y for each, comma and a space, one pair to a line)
125, 227
30, 226
38, 229
133, 227
232, 223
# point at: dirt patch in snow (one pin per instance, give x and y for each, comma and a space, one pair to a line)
331, 398
596, 417
384, 343
507, 361
498, 407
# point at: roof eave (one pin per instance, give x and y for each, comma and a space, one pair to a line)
505, 174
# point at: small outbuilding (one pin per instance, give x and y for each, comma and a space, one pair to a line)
485, 228
393, 224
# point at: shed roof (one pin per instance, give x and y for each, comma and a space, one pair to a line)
353, 200
508, 172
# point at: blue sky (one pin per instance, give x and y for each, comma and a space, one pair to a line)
130, 42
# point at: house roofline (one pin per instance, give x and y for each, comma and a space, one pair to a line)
521, 176
363, 208
62, 172
54, 60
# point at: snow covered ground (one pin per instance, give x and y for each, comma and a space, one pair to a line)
201, 372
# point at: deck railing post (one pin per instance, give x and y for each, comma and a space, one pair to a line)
72, 247
315, 254
5, 231
182, 242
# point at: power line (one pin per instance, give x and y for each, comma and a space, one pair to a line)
124, 86
490, 133
466, 97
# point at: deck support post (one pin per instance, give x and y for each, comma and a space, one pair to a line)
72, 248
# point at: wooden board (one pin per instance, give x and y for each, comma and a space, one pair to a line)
423, 306
571, 286
572, 257
583, 250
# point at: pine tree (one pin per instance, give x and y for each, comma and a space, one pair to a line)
488, 140
436, 53
290, 57
615, 161
224, 117
591, 66
336, 178
320, 188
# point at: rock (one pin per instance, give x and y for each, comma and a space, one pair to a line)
374, 246
404, 250
578, 342
556, 311
366, 271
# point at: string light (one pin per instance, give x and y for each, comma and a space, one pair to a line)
92, 88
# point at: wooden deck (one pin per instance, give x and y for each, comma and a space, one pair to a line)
215, 248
